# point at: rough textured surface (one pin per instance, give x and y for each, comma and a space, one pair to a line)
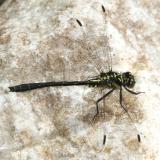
41, 41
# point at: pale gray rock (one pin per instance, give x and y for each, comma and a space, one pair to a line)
41, 41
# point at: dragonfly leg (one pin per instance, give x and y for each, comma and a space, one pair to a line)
120, 101
132, 92
100, 99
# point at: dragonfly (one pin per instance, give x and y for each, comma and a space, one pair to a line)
111, 79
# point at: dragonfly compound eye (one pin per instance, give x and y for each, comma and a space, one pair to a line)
128, 79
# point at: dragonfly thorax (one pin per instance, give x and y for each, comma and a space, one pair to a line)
114, 80
111, 79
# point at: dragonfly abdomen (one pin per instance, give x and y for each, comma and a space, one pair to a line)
31, 86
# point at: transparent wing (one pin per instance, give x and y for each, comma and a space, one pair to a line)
97, 47
96, 54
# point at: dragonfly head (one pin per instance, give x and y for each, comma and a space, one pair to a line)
128, 79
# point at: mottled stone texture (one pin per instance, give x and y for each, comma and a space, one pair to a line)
40, 40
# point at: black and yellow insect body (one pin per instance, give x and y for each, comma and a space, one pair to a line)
114, 80
111, 80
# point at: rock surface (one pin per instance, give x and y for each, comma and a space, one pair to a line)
41, 41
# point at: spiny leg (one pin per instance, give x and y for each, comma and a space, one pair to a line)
121, 100
132, 92
103, 108
104, 96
